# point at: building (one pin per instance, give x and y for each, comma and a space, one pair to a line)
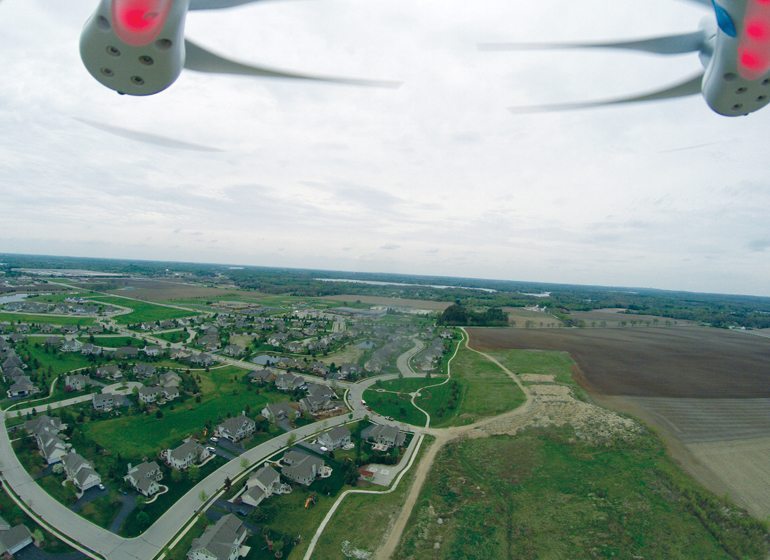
126, 352
103, 402
80, 472
149, 395
261, 485
144, 370
335, 438
110, 371
186, 455
383, 435
301, 467
76, 382
220, 541
14, 539
169, 379
261, 376
145, 477
152, 351
236, 429
275, 412
289, 382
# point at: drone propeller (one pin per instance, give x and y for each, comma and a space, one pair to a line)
217, 4
202, 60
147, 138
668, 45
692, 86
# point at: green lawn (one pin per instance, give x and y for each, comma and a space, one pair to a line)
114, 341
399, 406
173, 336
484, 390
544, 494
363, 519
143, 311
46, 319
144, 434
59, 362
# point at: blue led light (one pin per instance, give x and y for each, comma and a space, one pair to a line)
725, 20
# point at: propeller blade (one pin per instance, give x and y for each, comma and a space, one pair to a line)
671, 44
691, 86
706, 3
217, 4
201, 60
147, 138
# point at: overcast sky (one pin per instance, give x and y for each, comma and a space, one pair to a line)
436, 177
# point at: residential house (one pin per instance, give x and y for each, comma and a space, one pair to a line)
76, 382
233, 350
110, 371
22, 387
80, 472
384, 435
301, 467
46, 431
144, 370
126, 352
202, 359
149, 395
145, 477
186, 455
71, 346
237, 428
91, 350
261, 485
169, 379
13, 540
335, 438
289, 382
220, 541
261, 376
152, 351
103, 402
275, 412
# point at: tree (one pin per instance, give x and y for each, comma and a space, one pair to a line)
228, 484
292, 439
203, 496
194, 473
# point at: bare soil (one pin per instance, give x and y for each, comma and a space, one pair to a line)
396, 302
692, 362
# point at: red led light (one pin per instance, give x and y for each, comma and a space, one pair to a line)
139, 22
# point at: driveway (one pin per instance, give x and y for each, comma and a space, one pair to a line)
128, 504
89, 496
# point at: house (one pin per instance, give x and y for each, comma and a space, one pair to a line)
201, 359
152, 351
22, 387
384, 435
13, 361
126, 352
14, 539
149, 395
208, 341
12, 374
233, 350
103, 402
289, 382
186, 455
144, 370
319, 398
220, 541
71, 346
169, 379
46, 431
170, 393
80, 472
145, 478
301, 467
261, 485
110, 371
236, 429
335, 438
279, 411
261, 376
90, 350
76, 382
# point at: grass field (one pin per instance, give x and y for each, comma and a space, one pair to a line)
59, 362
398, 404
485, 390
46, 319
114, 341
542, 494
173, 336
143, 312
363, 519
140, 435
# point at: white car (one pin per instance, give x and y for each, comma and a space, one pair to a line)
214, 439
101, 487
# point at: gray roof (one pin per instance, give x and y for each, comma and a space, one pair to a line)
233, 425
267, 476
187, 448
220, 538
74, 461
82, 475
302, 467
384, 432
336, 434
44, 423
14, 539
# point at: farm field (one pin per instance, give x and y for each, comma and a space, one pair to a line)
614, 318
523, 318
429, 305
691, 362
707, 391
544, 494
142, 310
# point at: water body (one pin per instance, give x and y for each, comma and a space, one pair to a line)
379, 283
540, 295
12, 298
